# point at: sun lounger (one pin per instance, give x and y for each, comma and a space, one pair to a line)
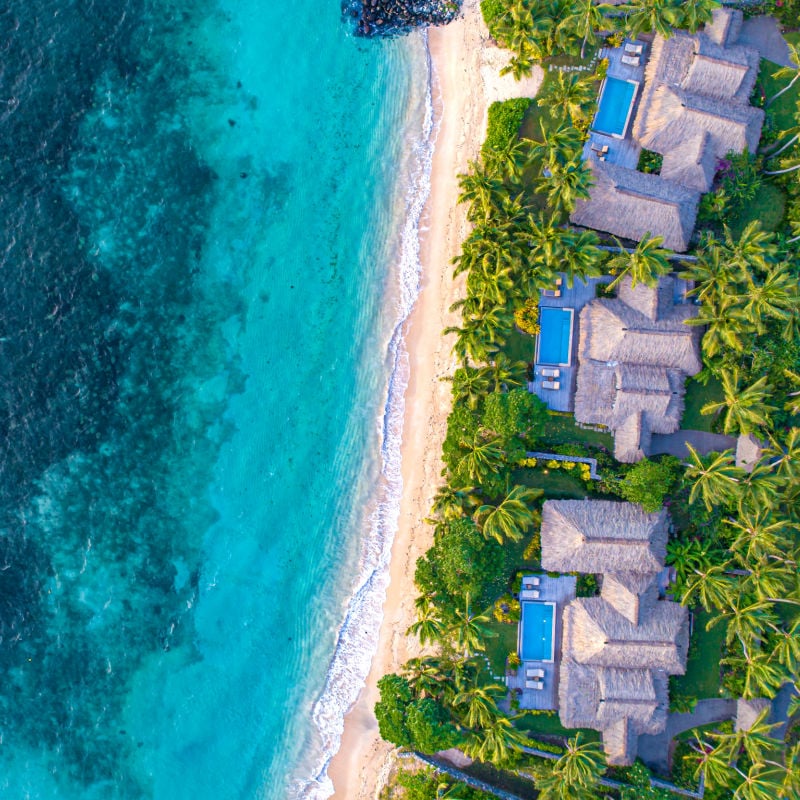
552, 385
551, 292
631, 61
534, 685
633, 49
534, 673
559, 279
535, 579
549, 372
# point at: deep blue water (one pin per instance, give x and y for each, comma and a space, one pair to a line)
204, 269
614, 106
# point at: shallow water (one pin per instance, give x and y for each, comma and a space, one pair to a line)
204, 269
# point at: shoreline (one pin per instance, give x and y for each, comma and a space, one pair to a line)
360, 766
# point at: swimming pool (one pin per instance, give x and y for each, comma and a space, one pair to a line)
536, 631
614, 107
554, 343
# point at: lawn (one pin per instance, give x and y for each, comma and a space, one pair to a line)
782, 111
697, 395
562, 429
768, 206
520, 347
557, 484
705, 651
550, 725
499, 646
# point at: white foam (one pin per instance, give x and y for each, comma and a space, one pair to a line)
358, 635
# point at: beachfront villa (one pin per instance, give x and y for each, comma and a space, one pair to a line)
693, 109
634, 355
616, 649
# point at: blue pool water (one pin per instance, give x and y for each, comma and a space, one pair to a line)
208, 212
537, 632
614, 107
554, 336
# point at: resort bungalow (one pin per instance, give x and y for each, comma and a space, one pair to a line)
634, 354
619, 648
694, 109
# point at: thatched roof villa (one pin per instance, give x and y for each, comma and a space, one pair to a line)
694, 109
635, 352
618, 649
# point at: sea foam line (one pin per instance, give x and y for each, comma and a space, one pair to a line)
357, 639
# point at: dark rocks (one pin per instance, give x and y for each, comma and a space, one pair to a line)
393, 17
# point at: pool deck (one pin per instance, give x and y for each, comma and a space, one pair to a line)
551, 590
562, 399
624, 152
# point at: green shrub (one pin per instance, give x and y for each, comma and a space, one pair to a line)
505, 119
506, 609
683, 766
587, 585
649, 482
492, 11
533, 550
650, 162
538, 744
527, 317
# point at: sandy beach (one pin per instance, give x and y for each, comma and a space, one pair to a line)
465, 81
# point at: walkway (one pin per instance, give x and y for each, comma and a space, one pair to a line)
704, 443
654, 748
764, 34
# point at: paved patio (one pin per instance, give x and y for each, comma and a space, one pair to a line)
576, 298
551, 590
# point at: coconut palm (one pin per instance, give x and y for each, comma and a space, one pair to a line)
713, 764
710, 586
511, 517
484, 456
654, 15
726, 326
495, 742
545, 239
489, 286
760, 533
565, 184
584, 19
582, 257
713, 273
755, 247
645, 263
786, 647
557, 144
773, 297
480, 335
714, 478
427, 676
787, 72
470, 385
746, 621
509, 160
469, 629
482, 189
793, 396
428, 626
506, 374
453, 502
577, 772
687, 556
762, 677
746, 408
569, 94
760, 488
696, 13
480, 703
784, 457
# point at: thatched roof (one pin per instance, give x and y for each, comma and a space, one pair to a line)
635, 352
602, 536
725, 26
693, 164
630, 594
748, 451
597, 634
631, 204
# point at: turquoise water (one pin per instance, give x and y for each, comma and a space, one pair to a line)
614, 107
537, 632
199, 524
555, 335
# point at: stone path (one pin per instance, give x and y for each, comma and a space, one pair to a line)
704, 443
654, 749
764, 34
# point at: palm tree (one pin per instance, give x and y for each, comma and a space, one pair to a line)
453, 502
654, 15
511, 517
725, 325
482, 189
759, 488
746, 408
428, 626
565, 184
645, 263
495, 742
747, 622
505, 373
793, 396
484, 456
584, 19
582, 257
558, 144
784, 458
481, 334
696, 13
762, 677
711, 586
760, 534
787, 72
715, 479
569, 94
786, 647
427, 676
775, 296
470, 384
713, 273
469, 629
713, 764
755, 248
687, 556
480, 702
576, 774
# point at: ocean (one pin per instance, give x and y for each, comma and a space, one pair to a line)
209, 218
